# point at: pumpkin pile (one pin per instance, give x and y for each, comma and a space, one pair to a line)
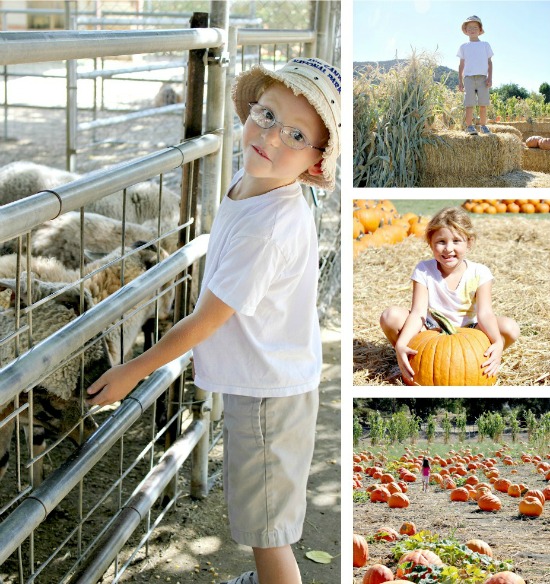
494, 206
377, 223
538, 142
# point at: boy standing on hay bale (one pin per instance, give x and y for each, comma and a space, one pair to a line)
457, 288
255, 330
475, 74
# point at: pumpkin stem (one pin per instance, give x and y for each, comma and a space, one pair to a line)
444, 323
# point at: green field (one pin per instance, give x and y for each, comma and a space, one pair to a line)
431, 206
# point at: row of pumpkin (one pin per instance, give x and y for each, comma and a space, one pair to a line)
377, 223
494, 206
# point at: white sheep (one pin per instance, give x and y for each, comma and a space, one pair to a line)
60, 237
48, 276
167, 95
23, 178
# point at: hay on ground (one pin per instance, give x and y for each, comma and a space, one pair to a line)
458, 157
536, 159
517, 251
534, 128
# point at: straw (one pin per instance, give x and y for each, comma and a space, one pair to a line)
517, 251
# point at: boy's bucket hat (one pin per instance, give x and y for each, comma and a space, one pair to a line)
472, 19
319, 83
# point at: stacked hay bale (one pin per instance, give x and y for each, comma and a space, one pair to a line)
459, 160
532, 128
536, 155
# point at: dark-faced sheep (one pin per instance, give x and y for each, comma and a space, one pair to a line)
49, 276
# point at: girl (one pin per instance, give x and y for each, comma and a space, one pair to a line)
458, 288
425, 474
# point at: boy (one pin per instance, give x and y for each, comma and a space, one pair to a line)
254, 330
475, 74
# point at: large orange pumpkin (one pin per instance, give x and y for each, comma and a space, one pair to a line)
360, 551
417, 558
449, 357
377, 574
460, 494
489, 502
505, 578
479, 546
398, 500
408, 528
386, 534
531, 506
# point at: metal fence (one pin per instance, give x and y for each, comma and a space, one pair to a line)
100, 496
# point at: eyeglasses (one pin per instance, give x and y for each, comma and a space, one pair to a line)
291, 137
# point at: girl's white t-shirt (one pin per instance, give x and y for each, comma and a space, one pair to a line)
263, 261
460, 305
476, 55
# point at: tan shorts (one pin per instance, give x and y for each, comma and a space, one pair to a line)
475, 88
268, 447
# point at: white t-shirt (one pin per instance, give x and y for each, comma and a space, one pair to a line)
460, 305
476, 57
263, 261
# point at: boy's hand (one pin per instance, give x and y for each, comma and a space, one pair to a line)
114, 385
488, 82
403, 361
492, 365
460, 86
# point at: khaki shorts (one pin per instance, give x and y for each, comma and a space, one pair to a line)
268, 447
475, 87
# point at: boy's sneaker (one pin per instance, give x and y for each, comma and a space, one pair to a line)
484, 130
471, 130
246, 578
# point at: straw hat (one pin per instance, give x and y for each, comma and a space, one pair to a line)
472, 19
319, 83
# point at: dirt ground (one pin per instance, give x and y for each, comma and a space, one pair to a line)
522, 540
193, 542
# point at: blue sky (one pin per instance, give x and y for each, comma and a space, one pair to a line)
518, 32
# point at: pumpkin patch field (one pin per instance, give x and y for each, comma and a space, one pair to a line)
516, 249
486, 513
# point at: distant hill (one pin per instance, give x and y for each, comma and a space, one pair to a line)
450, 74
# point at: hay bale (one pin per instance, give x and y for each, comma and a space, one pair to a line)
536, 159
518, 179
517, 251
459, 159
501, 128
533, 128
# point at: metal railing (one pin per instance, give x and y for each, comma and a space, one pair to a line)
17, 221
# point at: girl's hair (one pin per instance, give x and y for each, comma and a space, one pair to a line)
425, 463
453, 218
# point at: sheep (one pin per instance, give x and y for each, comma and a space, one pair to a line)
167, 95
23, 178
60, 237
59, 390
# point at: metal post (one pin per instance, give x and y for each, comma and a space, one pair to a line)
322, 20
72, 103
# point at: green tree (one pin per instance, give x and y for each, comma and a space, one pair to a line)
447, 427
430, 429
357, 430
511, 90
514, 425
544, 89
461, 425
376, 428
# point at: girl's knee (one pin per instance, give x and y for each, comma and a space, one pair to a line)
509, 329
392, 317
